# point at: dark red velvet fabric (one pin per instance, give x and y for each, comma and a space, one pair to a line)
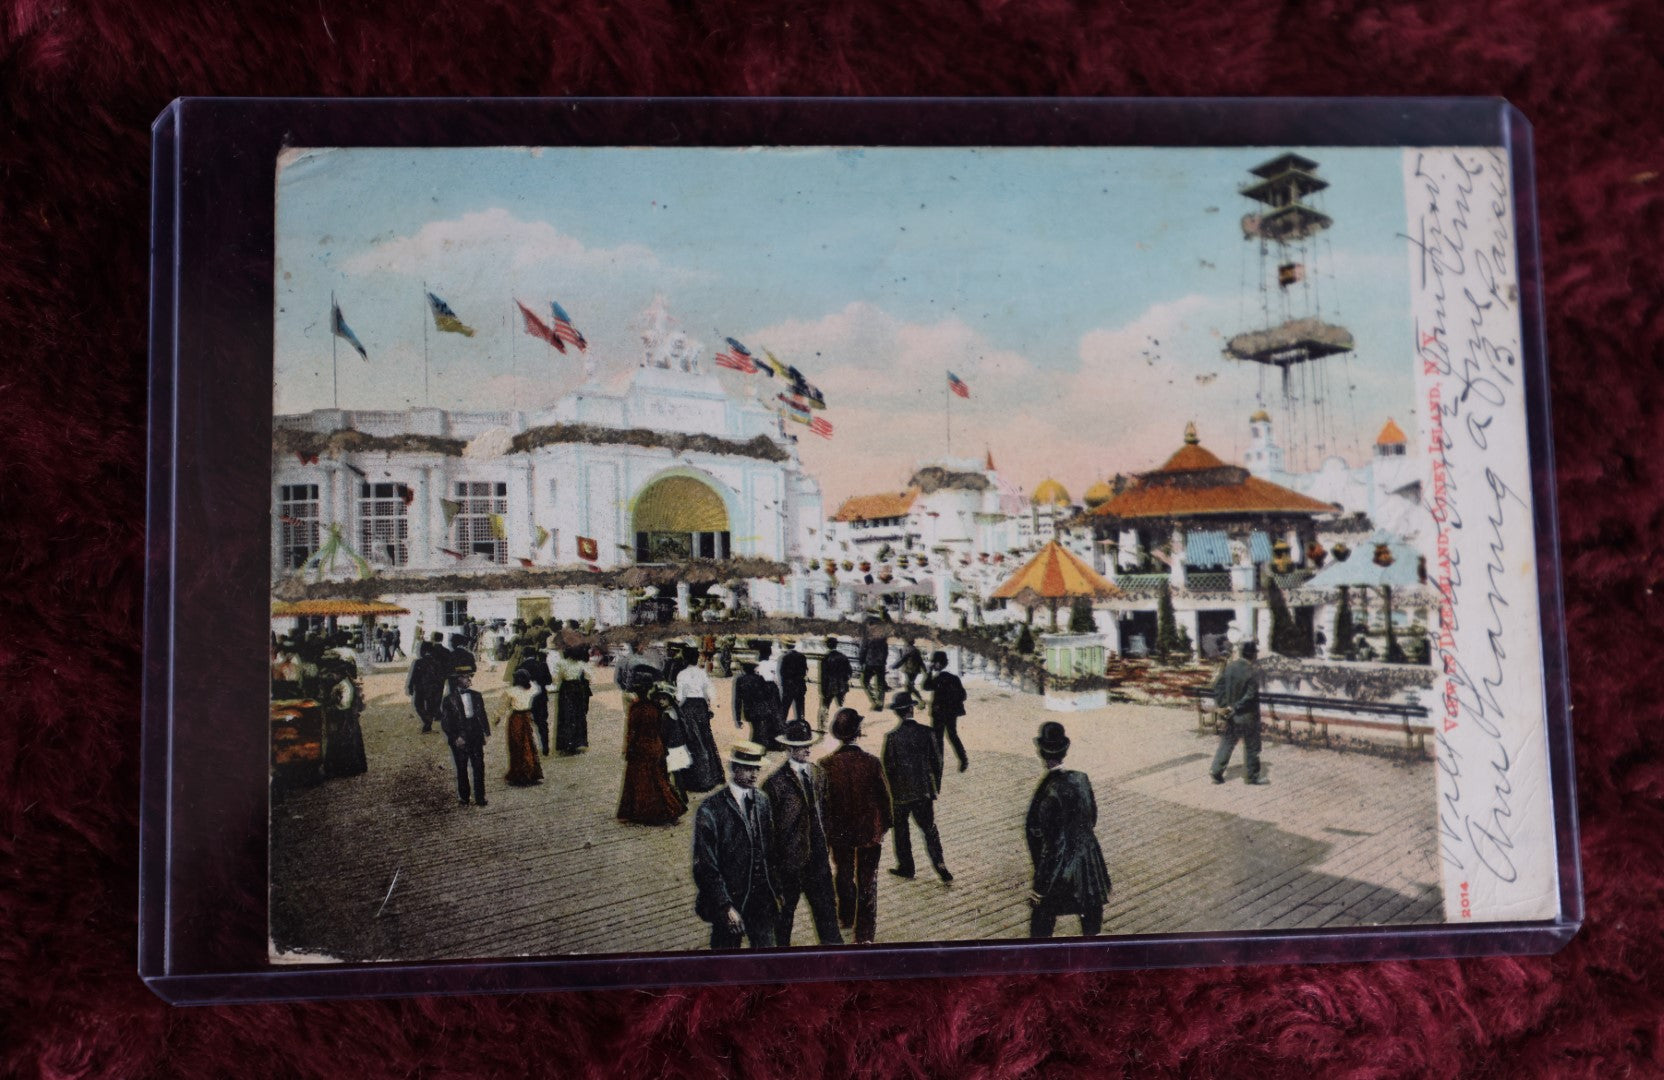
80, 81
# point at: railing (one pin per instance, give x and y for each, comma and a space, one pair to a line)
1208, 580
1374, 715
1132, 582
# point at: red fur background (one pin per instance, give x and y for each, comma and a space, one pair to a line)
80, 81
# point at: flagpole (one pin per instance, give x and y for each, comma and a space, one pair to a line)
427, 397
513, 357
334, 363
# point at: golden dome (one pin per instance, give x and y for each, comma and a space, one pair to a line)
1050, 492
1260, 417
1099, 493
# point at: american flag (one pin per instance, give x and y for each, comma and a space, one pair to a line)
537, 328
957, 385
820, 426
736, 357
564, 328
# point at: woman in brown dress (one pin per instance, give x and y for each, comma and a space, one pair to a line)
648, 797
523, 767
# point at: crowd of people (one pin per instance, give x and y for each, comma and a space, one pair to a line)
810, 833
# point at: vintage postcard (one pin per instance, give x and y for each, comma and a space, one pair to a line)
692, 549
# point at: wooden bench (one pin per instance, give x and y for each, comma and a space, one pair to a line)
1408, 718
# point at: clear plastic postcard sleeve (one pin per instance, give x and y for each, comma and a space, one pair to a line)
601, 543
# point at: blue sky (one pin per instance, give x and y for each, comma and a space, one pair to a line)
1084, 294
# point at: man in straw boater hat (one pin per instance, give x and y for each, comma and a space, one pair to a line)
797, 793
1236, 699
913, 766
739, 894
857, 815
462, 718
1069, 873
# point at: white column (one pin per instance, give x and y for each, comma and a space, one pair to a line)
1188, 619
684, 600
1175, 571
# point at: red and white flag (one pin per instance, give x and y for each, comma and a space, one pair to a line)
537, 328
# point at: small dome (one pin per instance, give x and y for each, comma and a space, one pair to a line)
1260, 417
1051, 493
1190, 436
1099, 493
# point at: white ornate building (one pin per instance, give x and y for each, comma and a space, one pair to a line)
666, 468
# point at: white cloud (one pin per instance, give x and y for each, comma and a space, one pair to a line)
499, 239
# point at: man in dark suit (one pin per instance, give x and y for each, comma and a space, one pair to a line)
834, 681
947, 705
911, 665
1069, 873
426, 684
796, 794
1236, 696
535, 666
913, 767
794, 680
757, 701
875, 660
857, 815
739, 893
463, 720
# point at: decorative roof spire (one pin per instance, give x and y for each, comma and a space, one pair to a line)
1190, 437
989, 463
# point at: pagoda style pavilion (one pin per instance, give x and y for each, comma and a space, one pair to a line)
1211, 532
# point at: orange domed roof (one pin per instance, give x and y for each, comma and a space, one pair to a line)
1051, 493
1099, 493
1260, 417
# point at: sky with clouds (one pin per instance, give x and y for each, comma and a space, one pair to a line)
1084, 294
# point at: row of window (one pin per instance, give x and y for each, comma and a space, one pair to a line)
384, 522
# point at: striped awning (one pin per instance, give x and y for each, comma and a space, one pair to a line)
313, 608
1056, 573
1204, 548
1259, 548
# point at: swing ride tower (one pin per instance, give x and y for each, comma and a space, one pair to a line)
1292, 340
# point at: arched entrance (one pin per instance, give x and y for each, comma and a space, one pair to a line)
680, 517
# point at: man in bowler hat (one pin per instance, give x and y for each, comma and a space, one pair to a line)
462, 718
947, 705
835, 673
1236, 697
796, 794
739, 894
794, 680
1069, 873
857, 815
913, 767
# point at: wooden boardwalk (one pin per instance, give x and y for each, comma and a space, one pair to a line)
1335, 840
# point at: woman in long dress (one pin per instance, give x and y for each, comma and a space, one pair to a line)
342, 701
694, 694
648, 797
523, 767
572, 693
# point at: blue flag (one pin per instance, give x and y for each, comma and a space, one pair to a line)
338, 326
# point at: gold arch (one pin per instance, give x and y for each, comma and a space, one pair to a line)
680, 504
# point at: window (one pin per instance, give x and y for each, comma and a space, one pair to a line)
384, 523
297, 516
453, 611
479, 522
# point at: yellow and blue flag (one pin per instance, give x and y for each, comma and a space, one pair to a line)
445, 319
338, 326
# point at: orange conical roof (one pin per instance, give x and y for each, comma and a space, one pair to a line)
1391, 435
1056, 573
